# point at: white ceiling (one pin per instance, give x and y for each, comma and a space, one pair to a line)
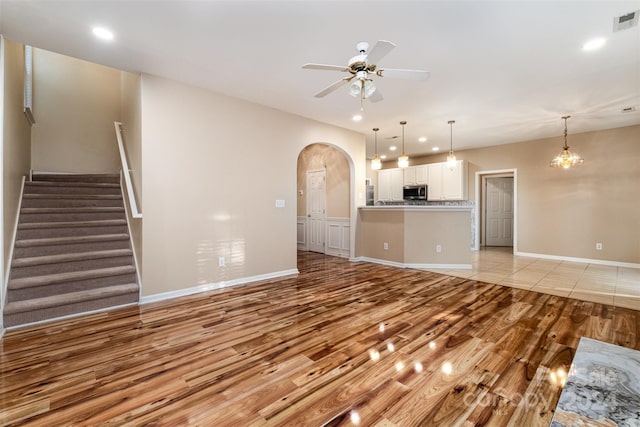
506, 71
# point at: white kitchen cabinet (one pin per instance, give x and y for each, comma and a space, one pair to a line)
384, 184
446, 184
390, 182
415, 175
396, 184
421, 175
410, 175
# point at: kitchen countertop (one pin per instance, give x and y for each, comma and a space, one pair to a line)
467, 208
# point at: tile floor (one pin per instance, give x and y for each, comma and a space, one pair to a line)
617, 286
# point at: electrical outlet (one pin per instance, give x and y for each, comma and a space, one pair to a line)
221, 261
385, 246
438, 248
598, 246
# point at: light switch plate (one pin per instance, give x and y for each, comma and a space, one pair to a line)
279, 203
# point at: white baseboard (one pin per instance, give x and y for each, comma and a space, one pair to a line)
217, 285
413, 265
582, 260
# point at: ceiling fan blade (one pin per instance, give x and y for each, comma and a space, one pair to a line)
404, 74
376, 96
324, 67
379, 51
332, 87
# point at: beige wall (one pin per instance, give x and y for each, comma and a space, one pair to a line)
75, 104
375, 228
321, 156
412, 235
449, 229
16, 150
566, 212
16, 139
130, 113
213, 167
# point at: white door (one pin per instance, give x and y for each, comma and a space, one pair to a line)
499, 212
316, 204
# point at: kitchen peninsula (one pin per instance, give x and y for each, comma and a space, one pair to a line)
416, 236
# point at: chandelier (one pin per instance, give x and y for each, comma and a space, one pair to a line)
566, 159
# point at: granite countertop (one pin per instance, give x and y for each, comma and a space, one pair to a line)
466, 208
602, 389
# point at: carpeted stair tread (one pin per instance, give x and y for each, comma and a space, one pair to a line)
69, 224
72, 239
72, 196
69, 298
69, 257
72, 252
113, 178
48, 279
81, 209
66, 184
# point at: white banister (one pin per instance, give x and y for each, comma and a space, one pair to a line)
126, 172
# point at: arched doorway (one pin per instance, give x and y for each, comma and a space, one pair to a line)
324, 199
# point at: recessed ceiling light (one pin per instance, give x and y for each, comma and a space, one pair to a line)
383, 156
435, 149
356, 118
594, 44
422, 139
102, 33
393, 148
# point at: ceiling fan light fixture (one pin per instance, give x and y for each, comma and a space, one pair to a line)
566, 159
355, 88
369, 88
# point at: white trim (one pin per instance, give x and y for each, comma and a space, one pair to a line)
2, 266
302, 245
582, 260
217, 285
13, 241
337, 236
135, 213
416, 266
478, 179
441, 266
133, 248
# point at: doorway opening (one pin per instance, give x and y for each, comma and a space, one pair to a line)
496, 215
324, 202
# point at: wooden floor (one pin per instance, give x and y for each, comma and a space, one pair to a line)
340, 344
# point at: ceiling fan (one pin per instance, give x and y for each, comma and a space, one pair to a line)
362, 67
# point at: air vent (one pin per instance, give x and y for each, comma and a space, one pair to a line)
625, 22
628, 109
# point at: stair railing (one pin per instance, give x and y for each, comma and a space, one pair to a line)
135, 213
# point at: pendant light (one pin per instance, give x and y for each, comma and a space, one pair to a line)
566, 159
451, 158
376, 163
403, 160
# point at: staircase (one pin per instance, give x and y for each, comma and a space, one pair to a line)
72, 252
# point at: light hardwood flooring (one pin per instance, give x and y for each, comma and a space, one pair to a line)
340, 344
619, 286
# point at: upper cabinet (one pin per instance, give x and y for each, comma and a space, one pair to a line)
415, 175
444, 184
390, 184
447, 184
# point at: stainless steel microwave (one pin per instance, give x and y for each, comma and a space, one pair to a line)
414, 192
